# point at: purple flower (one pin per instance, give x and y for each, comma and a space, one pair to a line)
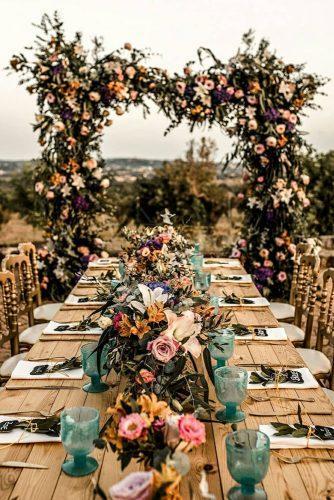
152, 285
271, 114
262, 274
221, 95
57, 69
80, 203
67, 114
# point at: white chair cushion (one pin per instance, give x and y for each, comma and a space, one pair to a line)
47, 311
316, 361
282, 310
31, 335
8, 366
294, 333
329, 393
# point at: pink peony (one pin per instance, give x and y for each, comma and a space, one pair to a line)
146, 376
281, 276
131, 426
163, 348
135, 486
191, 430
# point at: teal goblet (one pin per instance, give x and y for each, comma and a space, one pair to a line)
202, 280
90, 367
248, 456
231, 389
121, 269
221, 346
79, 428
197, 258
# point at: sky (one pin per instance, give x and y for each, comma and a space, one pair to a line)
299, 31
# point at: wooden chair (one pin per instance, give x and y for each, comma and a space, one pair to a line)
43, 312
19, 265
286, 310
29, 250
305, 298
9, 323
316, 360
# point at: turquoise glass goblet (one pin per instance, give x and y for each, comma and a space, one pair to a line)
221, 346
89, 365
248, 456
231, 390
202, 280
79, 427
121, 269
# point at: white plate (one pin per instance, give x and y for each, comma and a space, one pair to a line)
51, 330
245, 278
73, 300
23, 368
21, 436
273, 334
256, 302
309, 382
280, 442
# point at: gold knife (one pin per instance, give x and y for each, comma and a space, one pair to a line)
286, 413
24, 465
41, 387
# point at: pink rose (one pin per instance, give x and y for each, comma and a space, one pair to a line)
131, 426
280, 129
135, 486
240, 196
271, 142
50, 98
191, 430
238, 94
260, 179
252, 124
181, 87
259, 149
145, 376
268, 263
281, 276
293, 118
235, 254
209, 85
130, 72
163, 348
252, 100
242, 243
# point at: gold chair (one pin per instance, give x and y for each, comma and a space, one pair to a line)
286, 310
19, 265
318, 363
9, 323
43, 312
305, 298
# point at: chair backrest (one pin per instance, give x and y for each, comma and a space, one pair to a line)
19, 265
301, 249
9, 318
29, 249
306, 293
326, 315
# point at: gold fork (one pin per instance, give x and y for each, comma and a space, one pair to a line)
261, 399
42, 413
296, 460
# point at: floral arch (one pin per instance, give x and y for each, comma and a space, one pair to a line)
256, 98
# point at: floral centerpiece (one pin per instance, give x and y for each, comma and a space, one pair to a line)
156, 253
154, 338
146, 429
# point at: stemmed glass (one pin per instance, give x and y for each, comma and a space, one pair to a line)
231, 389
221, 346
79, 427
202, 280
121, 269
248, 456
89, 365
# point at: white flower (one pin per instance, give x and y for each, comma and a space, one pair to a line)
66, 190
39, 186
98, 173
305, 179
287, 89
104, 322
184, 327
150, 297
77, 181
286, 196
105, 183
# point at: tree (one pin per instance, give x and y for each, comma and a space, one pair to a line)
188, 187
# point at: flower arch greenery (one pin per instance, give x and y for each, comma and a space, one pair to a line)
256, 98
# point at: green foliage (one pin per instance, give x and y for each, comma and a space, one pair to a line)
189, 188
320, 168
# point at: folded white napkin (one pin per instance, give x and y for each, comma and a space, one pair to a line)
256, 302
227, 263
23, 368
110, 262
277, 442
244, 278
273, 334
51, 330
309, 382
74, 300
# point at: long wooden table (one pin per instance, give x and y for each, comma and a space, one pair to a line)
307, 480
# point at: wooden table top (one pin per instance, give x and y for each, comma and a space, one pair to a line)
307, 480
